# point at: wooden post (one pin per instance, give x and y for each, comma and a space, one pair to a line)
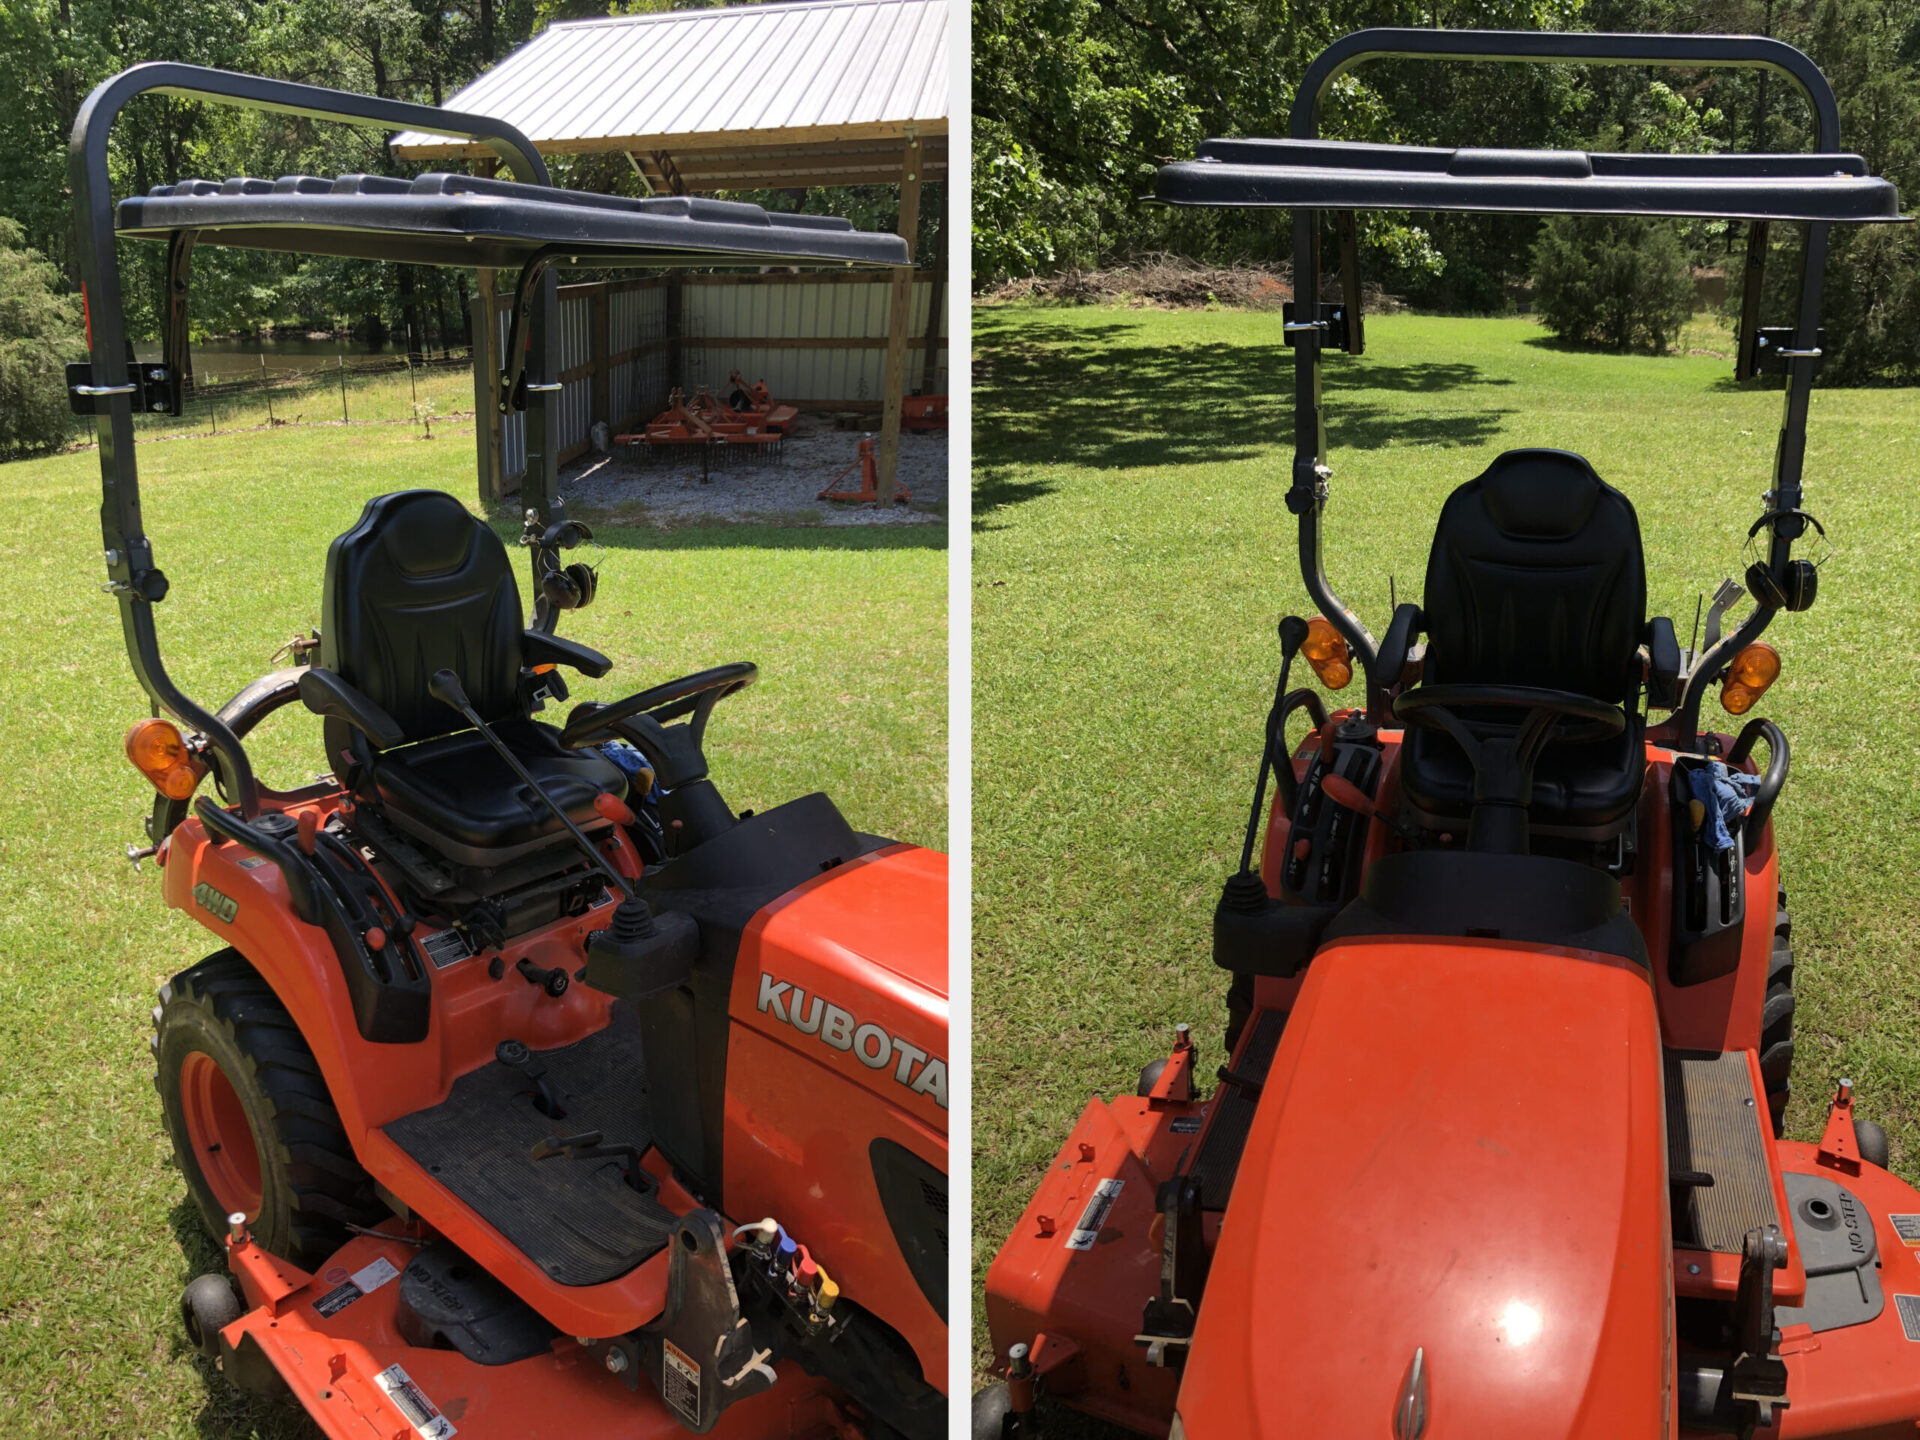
670, 325
898, 320
936, 273
598, 306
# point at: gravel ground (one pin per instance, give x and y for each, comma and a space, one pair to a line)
670, 493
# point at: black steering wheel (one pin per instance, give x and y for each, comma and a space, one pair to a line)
694, 695
1502, 758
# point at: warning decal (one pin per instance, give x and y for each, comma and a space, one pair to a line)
1186, 1125
1095, 1215
362, 1282
412, 1402
1907, 1227
446, 947
680, 1382
1909, 1315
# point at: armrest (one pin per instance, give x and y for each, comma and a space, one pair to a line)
539, 648
1407, 623
325, 693
1663, 663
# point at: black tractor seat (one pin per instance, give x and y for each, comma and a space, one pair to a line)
420, 585
458, 795
1536, 578
1576, 788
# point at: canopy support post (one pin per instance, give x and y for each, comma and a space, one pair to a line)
1746, 362
899, 323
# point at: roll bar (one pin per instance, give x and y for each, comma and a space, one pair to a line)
1309, 491
1686, 52
132, 576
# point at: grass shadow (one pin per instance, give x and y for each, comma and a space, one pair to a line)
1094, 396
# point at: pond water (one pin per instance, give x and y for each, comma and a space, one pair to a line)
233, 359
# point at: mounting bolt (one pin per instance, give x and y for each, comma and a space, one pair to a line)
1846, 1090
1183, 1035
237, 1228
583, 1341
616, 1362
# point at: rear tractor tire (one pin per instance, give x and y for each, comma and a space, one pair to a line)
253, 1126
1776, 1018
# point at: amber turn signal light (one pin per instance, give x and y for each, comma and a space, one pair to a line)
1326, 650
1752, 671
159, 753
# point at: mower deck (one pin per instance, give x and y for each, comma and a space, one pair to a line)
360, 1378
577, 1219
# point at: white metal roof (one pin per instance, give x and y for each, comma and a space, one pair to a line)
818, 92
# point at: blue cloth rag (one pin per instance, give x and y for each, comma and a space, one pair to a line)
1727, 794
631, 763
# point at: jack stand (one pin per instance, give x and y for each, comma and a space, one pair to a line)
869, 491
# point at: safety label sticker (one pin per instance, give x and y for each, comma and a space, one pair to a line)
1095, 1215
1186, 1125
1909, 1315
412, 1401
680, 1382
1907, 1227
361, 1282
446, 947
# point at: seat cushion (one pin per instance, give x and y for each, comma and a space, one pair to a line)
1581, 787
457, 789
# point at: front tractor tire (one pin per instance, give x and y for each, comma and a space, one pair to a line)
253, 1126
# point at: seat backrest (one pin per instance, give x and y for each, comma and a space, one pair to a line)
419, 585
1536, 577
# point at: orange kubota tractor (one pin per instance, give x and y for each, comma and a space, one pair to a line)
1494, 1152
533, 1091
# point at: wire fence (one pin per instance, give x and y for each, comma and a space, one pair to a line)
387, 390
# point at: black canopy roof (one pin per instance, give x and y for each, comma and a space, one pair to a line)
464, 220
1350, 175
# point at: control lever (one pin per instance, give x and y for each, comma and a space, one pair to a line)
587, 1145
1245, 1084
516, 1056
554, 981
1349, 796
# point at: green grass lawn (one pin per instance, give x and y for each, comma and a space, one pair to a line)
1132, 554
848, 626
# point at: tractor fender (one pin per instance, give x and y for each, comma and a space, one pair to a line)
1459, 1154
243, 899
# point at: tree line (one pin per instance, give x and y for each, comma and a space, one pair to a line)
1078, 101
53, 52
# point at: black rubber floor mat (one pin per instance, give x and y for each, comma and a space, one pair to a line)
1219, 1159
578, 1220
1713, 1127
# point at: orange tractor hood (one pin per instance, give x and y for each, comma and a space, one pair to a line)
1459, 1151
